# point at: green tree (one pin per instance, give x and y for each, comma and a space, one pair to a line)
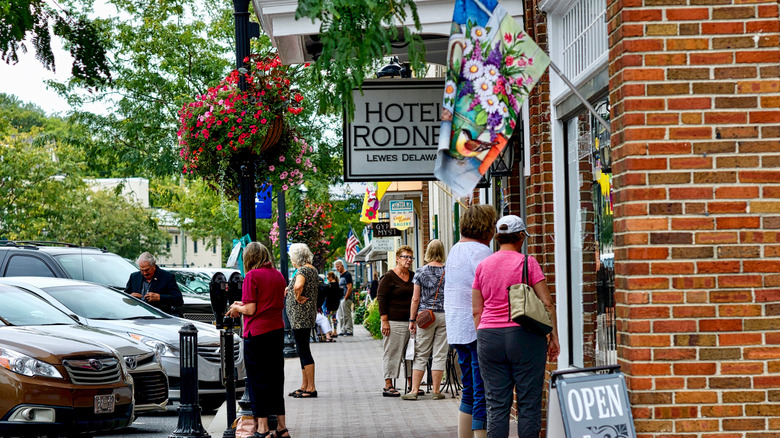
163, 53
355, 35
33, 21
44, 196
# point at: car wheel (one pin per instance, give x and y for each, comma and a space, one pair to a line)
212, 403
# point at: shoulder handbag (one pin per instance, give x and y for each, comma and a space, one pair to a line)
426, 317
525, 308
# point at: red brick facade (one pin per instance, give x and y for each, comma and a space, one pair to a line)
695, 97
695, 115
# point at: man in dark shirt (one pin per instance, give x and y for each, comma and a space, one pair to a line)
155, 286
345, 309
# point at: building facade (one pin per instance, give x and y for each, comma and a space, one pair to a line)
659, 235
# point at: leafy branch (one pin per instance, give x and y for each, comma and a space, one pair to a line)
355, 35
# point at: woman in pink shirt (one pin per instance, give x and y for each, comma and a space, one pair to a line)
511, 357
261, 305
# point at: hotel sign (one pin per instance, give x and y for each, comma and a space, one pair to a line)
395, 132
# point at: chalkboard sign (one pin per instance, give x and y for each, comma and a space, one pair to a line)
588, 405
382, 229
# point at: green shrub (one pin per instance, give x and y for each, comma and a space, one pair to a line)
359, 314
372, 322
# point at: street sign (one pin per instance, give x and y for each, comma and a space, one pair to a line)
402, 214
383, 229
394, 134
383, 245
587, 405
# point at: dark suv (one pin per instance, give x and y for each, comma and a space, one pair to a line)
65, 260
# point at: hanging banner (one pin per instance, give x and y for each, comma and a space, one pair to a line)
492, 65
402, 214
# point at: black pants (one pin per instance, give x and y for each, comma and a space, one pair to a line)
264, 361
302, 338
512, 358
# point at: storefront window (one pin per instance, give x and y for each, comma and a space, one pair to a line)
589, 233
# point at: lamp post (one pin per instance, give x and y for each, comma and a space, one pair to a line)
244, 31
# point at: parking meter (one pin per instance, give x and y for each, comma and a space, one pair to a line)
235, 285
218, 293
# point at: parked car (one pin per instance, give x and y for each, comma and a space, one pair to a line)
99, 306
53, 382
64, 260
197, 282
390, 70
22, 308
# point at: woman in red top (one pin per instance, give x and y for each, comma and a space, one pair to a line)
261, 305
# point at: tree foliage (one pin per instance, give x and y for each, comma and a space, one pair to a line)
355, 35
165, 52
44, 196
34, 20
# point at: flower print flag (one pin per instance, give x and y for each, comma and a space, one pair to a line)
492, 65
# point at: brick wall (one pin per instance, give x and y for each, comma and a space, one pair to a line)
695, 95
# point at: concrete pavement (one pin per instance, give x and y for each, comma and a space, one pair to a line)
350, 403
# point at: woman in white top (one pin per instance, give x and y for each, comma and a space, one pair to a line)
477, 227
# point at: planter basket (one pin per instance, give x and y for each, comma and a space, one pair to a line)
274, 134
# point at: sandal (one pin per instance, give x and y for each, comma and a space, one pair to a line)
262, 435
295, 393
390, 392
329, 340
307, 394
279, 433
420, 392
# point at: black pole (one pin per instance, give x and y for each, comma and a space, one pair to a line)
190, 425
230, 379
289, 341
247, 181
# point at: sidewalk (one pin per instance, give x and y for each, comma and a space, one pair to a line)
350, 403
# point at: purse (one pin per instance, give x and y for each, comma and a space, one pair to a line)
525, 307
426, 317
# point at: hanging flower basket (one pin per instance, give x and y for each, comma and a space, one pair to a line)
227, 127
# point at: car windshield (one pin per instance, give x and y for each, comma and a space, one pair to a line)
102, 268
196, 282
97, 302
18, 307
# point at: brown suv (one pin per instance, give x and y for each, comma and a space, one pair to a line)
55, 384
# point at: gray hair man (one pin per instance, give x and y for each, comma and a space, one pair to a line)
345, 308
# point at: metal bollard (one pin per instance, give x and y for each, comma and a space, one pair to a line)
229, 376
189, 411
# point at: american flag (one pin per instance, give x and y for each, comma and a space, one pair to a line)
352, 247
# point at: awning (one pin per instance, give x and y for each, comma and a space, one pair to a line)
367, 254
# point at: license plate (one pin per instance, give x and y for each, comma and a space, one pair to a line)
104, 404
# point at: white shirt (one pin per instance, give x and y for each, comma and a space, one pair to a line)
461, 266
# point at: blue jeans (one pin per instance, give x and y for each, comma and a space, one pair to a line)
473, 400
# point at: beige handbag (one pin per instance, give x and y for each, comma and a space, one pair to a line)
525, 307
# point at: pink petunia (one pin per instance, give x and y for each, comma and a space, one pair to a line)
271, 168
509, 60
281, 158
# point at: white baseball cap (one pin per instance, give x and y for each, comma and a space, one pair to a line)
513, 225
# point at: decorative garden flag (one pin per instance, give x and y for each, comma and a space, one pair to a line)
370, 211
492, 65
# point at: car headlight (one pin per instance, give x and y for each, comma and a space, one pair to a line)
160, 347
26, 365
